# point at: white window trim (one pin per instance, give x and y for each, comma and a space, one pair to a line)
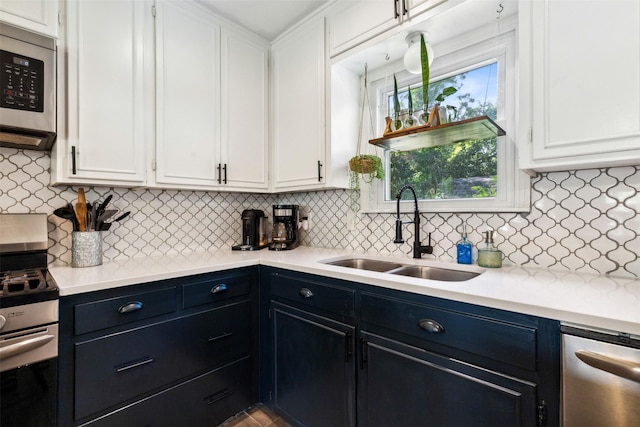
481, 46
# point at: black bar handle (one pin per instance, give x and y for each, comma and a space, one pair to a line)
216, 397
219, 173
363, 352
396, 15
404, 8
225, 173
220, 337
432, 326
130, 307
73, 160
319, 171
217, 289
348, 350
135, 364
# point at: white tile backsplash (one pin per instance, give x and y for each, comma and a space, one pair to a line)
586, 220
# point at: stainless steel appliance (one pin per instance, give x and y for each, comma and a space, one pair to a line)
254, 231
600, 378
27, 89
285, 228
28, 323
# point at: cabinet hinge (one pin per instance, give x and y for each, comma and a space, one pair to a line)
59, 18
153, 10
530, 134
153, 165
542, 414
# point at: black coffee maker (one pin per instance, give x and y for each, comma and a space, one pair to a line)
285, 228
254, 231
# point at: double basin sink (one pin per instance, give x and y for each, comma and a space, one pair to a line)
418, 271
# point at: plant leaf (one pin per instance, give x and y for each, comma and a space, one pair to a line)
410, 102
424, 60
396, 101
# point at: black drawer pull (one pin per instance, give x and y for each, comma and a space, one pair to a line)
217, 397
220, 337
130, 307
305, 292
431, 326
135, 364
219, 289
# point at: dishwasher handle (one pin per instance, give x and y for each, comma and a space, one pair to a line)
616, 366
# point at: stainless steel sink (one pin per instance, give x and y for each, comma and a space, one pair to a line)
419, 271
434, 273
366, 264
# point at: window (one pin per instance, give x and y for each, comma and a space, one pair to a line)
468, 176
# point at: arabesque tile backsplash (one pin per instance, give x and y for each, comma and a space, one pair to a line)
585, 220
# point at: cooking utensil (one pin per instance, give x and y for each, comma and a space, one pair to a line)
101, 220
123, 216
104, 205
81, 210
67, 212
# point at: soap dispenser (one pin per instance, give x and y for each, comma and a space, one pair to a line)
464, 247
488, 255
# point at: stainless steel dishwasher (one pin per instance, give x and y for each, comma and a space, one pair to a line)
600, 378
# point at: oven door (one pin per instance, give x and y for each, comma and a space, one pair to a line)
28, 377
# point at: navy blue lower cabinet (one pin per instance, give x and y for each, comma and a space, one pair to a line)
403, 386
177, 352
419, 360
313, 368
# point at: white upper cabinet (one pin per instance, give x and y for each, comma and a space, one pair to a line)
211, 103
580, 84
354, 22
102, 140
187, 96
40, 16
298, 108
244, 111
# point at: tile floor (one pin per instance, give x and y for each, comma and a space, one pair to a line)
256, 416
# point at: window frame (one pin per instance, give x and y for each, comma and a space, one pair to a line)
473, 49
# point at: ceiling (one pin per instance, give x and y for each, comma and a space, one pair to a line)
267, 18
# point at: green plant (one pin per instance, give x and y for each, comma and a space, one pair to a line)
396, 106
366, 167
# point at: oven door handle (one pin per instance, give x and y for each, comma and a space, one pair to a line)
616, 366
24, 346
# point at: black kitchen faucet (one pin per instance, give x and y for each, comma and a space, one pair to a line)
418, 249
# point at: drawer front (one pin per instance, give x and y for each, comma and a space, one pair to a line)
121, 366
490, 338
93, 316
326, 298
206, 400
217, 288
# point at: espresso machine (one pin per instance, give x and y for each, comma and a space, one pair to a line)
254, 231
285, 228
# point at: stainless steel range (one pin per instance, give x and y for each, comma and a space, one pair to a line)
28, 323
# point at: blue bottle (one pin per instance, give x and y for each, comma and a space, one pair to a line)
464, 248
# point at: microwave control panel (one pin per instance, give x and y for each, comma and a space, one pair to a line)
22, 82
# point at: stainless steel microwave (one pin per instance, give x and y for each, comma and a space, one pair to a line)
28, 89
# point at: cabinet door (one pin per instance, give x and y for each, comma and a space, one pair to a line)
313, 369
299, 108
244, 111
579, 88
361, 20
40, 16
404, 387
187, 95
105, 141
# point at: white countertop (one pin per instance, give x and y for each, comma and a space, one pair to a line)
582, 299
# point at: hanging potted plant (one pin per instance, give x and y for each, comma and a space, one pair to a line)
363, 166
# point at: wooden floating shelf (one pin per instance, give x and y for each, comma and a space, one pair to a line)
481, 127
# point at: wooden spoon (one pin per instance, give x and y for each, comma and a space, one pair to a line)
81, 210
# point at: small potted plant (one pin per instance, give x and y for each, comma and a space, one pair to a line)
366, 167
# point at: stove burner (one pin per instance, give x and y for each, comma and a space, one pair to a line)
22, 281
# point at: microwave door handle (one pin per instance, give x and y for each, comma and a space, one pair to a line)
24, 346
616, 366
